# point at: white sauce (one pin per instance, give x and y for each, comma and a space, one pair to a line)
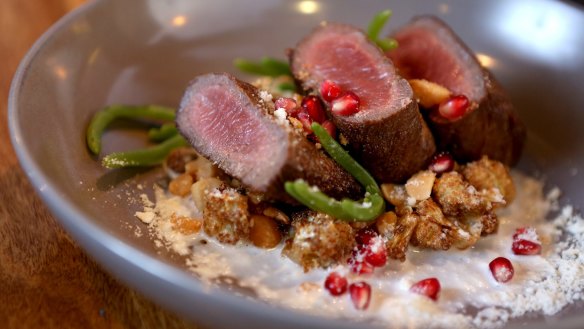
543, 283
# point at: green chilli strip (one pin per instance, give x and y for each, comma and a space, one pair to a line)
367, 209
150, 156
102, 119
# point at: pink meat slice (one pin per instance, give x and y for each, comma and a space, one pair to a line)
388, 134
227, 121
429, 49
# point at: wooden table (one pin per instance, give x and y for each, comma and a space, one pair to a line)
46, 280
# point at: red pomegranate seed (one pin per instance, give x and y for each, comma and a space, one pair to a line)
346, 104
312, 105
336, 284
441, 163
428, 287
360, 294
454, 108
330, 127
367, 256
288, 104
526, 248
526, 233
365, 236
526, 242
357, 261
376, 253
306, 121
330, 91
502, 269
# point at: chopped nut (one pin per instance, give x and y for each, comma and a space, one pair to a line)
185, 225
199, 188
395, 194
202, 168
181, 185
174, 163
309, 286
264, 232
428, 93
386, 224
420, 185
277, 214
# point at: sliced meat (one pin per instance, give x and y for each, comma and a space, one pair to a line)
388, 135
228, 122
428, 49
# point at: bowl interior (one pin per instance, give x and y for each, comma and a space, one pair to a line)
144, 52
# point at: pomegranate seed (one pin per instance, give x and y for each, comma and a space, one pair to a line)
441, 163
330, 128
346, 104
336, 284
312, 105
288, 104
428, 287
306, 121
502, 269
526, 242
526, 248
367, 256
526, 233
357, 262
365, 236
360, 294
330, 91
454, 108
376, 253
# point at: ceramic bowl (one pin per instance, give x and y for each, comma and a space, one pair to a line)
145, 51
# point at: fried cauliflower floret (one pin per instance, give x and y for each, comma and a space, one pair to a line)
397, 230
458, 198
487, 174
225, 215
431, 235
318, 240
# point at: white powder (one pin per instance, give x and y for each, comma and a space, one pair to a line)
281, 116
266, 96
544, 283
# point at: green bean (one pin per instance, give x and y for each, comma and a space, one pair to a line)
145, 157
367, 209
102, 119
266, 66
162, 133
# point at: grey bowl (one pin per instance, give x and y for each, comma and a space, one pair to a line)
145, 51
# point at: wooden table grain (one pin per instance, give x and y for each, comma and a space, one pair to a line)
46, 280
